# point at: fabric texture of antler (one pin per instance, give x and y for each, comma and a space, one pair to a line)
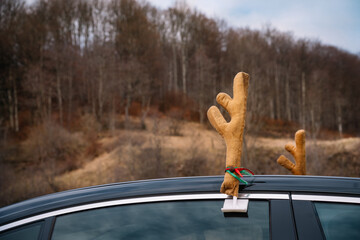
298, 152
231, 131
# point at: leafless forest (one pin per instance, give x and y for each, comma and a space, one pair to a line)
74, 72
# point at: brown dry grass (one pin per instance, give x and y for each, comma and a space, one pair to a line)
124, 155
199, 151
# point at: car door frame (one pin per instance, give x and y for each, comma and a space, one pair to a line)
281, 215
307, 222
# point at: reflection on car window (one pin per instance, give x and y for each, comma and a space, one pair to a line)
339, 221
165, 220
28, 232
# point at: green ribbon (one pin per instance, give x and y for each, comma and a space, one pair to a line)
238, 178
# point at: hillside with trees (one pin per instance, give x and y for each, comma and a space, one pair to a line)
73, 72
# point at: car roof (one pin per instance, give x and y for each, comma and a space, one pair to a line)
171, 186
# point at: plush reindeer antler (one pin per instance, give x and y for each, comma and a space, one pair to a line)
231, 131
298, 152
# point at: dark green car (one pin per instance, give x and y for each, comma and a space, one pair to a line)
276, 207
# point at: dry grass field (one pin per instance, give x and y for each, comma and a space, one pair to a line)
159, 151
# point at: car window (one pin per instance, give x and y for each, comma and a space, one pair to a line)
165, 220
28, 232
339, 221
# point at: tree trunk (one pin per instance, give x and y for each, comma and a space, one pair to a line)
38, 108
112, 117
272, 109
339, 120
303, 95
312, 117
171, 73
16, 116
270, 96
100, 92
145, 107
49, 104
128, 104
201, 94
175, 81
127, 107
287, 96
277, 94
41, 103
59, 94
70, 96
184, 69
11, 110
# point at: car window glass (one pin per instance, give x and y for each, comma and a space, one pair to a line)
165, 220
28, 232
339, 221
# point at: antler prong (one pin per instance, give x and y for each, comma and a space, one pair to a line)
298, 152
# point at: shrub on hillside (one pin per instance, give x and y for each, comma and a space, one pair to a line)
51, 142
90, 126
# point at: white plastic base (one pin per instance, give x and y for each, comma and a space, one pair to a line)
235, 205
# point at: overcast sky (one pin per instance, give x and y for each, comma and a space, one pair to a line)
333, 22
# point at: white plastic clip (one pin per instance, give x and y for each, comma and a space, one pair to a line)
235, 205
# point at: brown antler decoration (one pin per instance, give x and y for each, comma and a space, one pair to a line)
298, 152
231, 131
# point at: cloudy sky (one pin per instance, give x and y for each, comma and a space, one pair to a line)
333, 22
